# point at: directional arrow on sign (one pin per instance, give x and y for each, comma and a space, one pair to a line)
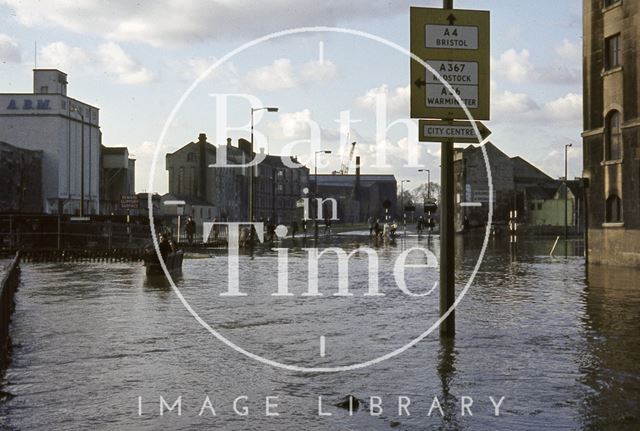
420, 82
452, 19
454, 131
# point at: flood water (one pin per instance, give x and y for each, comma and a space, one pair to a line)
559, 340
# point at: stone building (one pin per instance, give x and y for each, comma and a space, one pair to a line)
49, 121
358, 196
117, 178
612, 130
226, 189
517, 185
21, 181
191, 179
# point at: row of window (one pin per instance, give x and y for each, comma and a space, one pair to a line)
613, 123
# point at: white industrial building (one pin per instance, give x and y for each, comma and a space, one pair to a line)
48, 120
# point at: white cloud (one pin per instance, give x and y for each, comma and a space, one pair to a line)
171, 22
318, 71
282, 74
509, 106
291, 125
9, 50
397, 100
565, 67
277, 76
108, 58
569, 52
121, 66
61, 56
507, 103
566, 108
514, 66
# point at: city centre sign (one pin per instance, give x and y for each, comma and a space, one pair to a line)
455, 43
455, 131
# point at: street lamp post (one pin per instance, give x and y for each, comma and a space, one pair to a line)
254, 169
404, 214
315, 166
566, 194
428, 171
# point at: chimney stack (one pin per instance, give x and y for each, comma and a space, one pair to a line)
201, 187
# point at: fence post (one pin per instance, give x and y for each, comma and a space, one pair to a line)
59, 227
10, 232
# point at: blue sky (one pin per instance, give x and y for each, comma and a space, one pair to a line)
134, 60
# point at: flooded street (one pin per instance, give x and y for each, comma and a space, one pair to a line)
560, 341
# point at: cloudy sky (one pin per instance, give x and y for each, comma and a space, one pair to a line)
135, 60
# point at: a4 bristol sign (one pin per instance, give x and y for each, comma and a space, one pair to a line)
455, 44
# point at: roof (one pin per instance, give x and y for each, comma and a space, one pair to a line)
349, 180
49, 70
520, 165
114, 150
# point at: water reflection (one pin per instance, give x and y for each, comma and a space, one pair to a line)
447, 373
612, 362
560, 341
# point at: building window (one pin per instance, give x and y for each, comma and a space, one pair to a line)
191, 157
614, 209
613, 136
44, 89
612, 52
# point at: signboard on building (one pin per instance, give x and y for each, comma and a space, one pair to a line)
455, 43
129, 202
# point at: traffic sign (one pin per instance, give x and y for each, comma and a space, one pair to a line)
455, 43
129, 202
455, 131
430, 205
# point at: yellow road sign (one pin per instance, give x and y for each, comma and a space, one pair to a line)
454, 131
455, 43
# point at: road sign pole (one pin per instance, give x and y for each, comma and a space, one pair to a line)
447, 241
447, 234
